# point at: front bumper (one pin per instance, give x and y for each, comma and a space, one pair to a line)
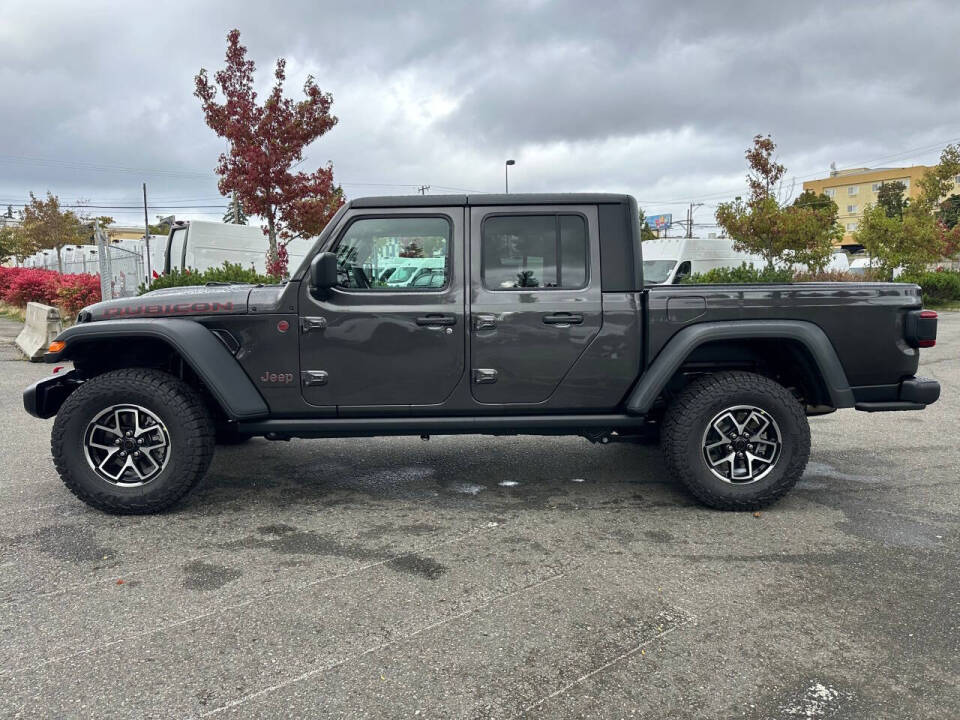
44, 398
914, 393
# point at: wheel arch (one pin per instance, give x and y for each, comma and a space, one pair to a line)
800, 346
113, 344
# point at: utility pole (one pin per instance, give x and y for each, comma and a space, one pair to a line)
236, 208
146, 236
423, 189
690, 210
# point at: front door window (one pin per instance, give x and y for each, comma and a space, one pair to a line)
391, 254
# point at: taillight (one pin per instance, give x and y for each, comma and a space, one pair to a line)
921, 328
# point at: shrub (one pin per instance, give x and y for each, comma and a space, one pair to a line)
227, 273
939, 287
831, 276
19, 286
76, 292
7, 274
32, 285
743, 274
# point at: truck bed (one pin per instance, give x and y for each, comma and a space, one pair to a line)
864, 321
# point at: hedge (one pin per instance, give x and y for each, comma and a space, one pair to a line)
743, 274
939, 287
227, 273
70, 293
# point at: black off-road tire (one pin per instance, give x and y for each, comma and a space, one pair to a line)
689, 415
180, 408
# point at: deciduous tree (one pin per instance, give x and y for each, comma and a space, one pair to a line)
266, 142
910, 241
645, 232
912, 233
46, 227
801, 233
939, 180
949, 213
890, 198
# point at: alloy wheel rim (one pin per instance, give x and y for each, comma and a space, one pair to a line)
127, 445
742, 444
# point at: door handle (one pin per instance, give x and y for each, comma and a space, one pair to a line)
484, 322
563, 319
435, 320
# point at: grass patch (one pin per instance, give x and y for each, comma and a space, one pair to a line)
13, 312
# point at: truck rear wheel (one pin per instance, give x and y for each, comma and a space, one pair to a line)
736, 440
132, 441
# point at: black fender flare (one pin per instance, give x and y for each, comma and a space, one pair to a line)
679, 347
200, 349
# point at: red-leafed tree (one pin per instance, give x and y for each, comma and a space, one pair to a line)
266, 141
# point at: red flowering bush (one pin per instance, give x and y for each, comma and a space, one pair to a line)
76, 292
18, 286
7, 274
32, 285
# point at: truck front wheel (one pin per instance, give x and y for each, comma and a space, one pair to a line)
132, 441
736, 440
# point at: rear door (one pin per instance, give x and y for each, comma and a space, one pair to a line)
535, 301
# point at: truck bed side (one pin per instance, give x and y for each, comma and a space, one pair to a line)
863, 321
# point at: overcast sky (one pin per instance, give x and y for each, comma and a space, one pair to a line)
658, 99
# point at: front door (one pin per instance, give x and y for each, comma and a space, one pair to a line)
535, 298
392, 331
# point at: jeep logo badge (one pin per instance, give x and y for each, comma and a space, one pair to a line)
273, 378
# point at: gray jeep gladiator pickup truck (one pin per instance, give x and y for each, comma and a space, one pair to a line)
491, 314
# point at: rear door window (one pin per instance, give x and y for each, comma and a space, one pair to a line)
521, 252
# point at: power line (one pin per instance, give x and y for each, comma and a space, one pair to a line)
726, 193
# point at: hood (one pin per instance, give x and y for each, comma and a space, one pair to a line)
173, 302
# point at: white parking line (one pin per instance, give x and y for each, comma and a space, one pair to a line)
245, 603
376, 648
605, 666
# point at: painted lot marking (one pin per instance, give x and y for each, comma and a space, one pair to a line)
426, 628
257, 598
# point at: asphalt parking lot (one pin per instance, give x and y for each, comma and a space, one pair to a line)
477, 577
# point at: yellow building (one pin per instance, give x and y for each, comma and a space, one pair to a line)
852, 190
124, 232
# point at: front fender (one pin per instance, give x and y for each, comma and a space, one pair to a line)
200, 349
676, 351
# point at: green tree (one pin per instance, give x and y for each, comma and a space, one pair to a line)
909, 242
891, 199
7, 240
939, 180
234, 214
803, 233
911, 234
949, 213
645, 232
47, 227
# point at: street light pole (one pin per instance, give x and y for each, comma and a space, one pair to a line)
506, 175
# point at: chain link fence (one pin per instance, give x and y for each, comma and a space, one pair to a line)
121, 269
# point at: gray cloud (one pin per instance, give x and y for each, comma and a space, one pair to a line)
654, 98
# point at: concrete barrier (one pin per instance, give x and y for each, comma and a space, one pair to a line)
43, 325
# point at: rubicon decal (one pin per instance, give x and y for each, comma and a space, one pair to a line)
196, 308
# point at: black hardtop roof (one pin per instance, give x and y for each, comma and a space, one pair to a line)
389, 201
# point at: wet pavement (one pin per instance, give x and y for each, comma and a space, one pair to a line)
484, 577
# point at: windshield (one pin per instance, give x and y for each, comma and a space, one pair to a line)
656, 272
403, 274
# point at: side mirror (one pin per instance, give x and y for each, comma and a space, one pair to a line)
323, 271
